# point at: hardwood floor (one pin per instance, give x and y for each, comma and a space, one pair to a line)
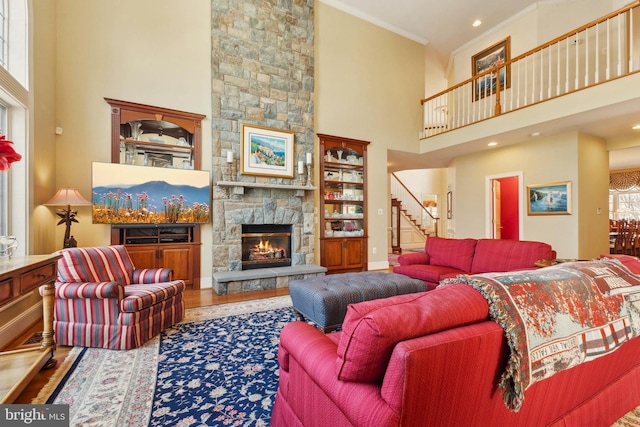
193, 298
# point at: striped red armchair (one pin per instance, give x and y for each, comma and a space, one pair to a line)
101, 300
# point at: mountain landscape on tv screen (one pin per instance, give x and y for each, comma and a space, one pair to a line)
150, 202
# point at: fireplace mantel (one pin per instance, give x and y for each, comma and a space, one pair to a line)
242, 185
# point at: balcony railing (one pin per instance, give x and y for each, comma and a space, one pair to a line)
603, 50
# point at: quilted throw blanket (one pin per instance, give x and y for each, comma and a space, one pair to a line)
558, 317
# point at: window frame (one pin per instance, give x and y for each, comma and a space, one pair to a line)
15, 97
5, 180
4, 32
615, 212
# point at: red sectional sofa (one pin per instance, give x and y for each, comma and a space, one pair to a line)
434, 359
447, 258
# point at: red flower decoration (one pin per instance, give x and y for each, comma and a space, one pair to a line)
7, 154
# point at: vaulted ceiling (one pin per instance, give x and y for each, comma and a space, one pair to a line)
444, 25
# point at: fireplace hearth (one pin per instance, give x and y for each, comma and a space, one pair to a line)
266, 246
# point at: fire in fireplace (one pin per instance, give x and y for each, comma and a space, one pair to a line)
266, 245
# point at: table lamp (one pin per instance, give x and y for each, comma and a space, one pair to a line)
66, 197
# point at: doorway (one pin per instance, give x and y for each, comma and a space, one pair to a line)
504, 216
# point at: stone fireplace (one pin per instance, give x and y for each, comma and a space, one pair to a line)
262, 74
245, 206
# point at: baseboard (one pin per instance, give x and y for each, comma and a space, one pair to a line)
378, 265
16, 326
206, 283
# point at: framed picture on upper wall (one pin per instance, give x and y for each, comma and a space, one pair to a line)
553, 198
266, 151
493, 56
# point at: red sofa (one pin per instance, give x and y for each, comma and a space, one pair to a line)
446, 258
434, 359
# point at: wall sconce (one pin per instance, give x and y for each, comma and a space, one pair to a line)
66, 197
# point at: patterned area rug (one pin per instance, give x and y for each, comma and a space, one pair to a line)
632, 419
217, 367
393, 259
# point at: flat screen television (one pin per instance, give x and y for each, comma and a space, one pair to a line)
129, 194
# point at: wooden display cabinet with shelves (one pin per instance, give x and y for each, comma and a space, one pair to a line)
155, 136
158, 137
343, 217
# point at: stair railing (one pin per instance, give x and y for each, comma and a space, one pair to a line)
412, 208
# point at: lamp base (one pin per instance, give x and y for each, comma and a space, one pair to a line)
70, 243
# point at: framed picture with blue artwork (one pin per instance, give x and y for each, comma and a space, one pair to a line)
553, 198
266, 151
487, 82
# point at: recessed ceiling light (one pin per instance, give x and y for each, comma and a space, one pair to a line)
477, 23
492, 144
636, 127
534, 134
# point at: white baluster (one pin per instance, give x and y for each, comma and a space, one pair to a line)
619, 59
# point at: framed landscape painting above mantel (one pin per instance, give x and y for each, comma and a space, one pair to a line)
266, 151
491, 57
549, 199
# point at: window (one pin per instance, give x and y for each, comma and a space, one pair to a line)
14, 46
3, 33
14, 102
624, 204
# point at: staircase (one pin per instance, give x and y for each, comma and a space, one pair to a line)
407, 215
412, 210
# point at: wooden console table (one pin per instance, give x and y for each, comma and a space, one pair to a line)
19, 276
